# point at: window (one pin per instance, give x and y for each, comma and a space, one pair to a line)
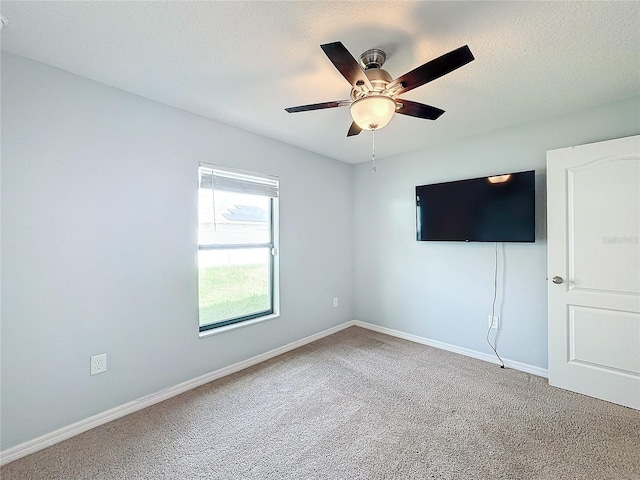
237, 246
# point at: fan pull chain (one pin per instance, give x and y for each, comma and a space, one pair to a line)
373, 150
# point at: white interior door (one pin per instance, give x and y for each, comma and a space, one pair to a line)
593, 212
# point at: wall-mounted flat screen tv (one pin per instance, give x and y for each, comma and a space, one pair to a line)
499, 208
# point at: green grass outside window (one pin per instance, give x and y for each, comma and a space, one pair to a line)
231, 291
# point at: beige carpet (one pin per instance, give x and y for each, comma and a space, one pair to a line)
358, 405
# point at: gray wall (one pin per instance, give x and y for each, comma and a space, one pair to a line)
444, 290
99, 246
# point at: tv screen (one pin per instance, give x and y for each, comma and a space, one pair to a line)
499, 208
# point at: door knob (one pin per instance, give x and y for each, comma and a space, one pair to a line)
557, 280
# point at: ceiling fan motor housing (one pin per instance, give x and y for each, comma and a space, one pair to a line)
379, 79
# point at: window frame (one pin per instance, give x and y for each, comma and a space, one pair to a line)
272, 245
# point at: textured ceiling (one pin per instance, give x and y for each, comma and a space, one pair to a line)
242, 63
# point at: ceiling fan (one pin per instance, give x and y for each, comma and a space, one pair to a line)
374, 94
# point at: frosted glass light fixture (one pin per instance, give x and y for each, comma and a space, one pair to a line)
373, 112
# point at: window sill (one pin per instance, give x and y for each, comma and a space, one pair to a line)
235, 326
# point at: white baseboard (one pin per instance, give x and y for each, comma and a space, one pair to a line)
523, 367
77, 428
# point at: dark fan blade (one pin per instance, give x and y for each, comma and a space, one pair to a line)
420, 110
428, 72
346, 64
318, 106
354, 129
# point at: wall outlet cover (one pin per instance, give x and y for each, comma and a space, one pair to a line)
98, 364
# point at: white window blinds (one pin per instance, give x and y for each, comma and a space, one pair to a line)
237, 181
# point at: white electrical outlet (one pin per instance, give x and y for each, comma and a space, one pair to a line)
335, 302
494, 322
98, 364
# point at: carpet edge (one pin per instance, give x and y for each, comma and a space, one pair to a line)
523, 367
